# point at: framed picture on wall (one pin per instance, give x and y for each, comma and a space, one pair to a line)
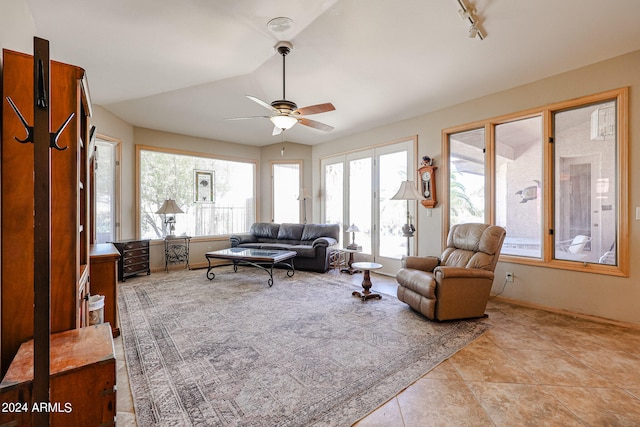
203, 186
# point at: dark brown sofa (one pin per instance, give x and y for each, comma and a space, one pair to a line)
312, 242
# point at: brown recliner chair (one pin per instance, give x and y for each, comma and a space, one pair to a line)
456, 285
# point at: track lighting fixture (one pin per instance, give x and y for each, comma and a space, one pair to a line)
467, 14
473, 31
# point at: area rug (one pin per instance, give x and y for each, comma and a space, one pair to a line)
305, 352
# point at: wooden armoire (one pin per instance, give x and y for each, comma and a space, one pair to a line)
69, 203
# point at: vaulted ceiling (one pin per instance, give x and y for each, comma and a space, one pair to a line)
185, 66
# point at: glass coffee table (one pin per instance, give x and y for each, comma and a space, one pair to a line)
366, 282
264, 259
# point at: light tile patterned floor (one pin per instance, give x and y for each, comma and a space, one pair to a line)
533, 368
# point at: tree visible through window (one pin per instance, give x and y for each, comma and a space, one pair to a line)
169, 175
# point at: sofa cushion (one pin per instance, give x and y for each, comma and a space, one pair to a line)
313, 231
276, 246
304, 251
290, 232
265, 230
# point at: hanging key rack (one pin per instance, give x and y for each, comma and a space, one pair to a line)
43, 141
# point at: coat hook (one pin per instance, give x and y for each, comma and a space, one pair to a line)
53, 143
42, 93
28, 128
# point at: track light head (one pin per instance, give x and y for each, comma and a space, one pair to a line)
473, 31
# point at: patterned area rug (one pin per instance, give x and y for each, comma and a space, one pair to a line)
234, 352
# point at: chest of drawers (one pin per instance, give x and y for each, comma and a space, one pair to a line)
134, 258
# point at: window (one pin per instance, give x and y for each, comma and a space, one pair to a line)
285, 190
106, 189
518, 177
228, 208
467, 187
585, 182
554, 177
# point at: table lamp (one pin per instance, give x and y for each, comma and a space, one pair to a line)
169, 207
353, 229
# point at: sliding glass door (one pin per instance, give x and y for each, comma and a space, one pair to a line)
357, 190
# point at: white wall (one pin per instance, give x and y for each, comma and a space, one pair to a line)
598, 295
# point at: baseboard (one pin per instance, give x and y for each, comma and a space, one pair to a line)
568, 313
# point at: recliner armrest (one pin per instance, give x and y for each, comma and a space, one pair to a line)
324, 241
427, 263
238, 239
446, 272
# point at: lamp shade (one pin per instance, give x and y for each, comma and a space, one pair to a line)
283, 121
169, 206
407, 191
304, 194
353, 229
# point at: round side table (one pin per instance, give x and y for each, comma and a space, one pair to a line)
366, 282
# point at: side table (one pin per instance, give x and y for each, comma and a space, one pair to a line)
176, 250
349, 267
366, 282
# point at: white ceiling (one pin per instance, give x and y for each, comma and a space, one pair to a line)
185, 66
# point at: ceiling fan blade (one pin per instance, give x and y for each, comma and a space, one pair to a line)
315, 109
316, 125
276, 131
261, 102
248, 117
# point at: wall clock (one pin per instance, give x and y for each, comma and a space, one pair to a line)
428, 186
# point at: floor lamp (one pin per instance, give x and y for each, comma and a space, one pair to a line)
408, 191
304, 195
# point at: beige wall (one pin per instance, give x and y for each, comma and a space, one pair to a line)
604, 296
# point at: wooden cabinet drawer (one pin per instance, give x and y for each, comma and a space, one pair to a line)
136, 259
135, 245
135, 252
136, 268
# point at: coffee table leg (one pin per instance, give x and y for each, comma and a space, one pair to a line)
210, 274
366, 284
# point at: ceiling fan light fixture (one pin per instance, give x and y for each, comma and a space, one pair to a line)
283, 122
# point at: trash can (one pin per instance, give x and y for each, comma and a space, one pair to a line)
96, 309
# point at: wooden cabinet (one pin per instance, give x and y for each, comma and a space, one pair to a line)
103, 262
69, 220
134, 258
82, 380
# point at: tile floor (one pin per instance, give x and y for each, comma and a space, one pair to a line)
532, 368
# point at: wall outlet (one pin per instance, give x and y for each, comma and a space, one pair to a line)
509, 276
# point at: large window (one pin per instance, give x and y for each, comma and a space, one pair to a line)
216, 195
555, 178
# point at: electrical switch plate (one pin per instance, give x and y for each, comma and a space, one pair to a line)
637, 213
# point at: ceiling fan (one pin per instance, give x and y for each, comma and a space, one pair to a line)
285, 113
